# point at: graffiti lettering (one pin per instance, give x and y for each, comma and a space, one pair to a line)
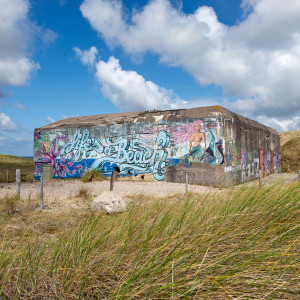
82, 142
134, 154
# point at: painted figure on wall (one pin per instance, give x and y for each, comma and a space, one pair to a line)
198, 151
46, 147
197, 140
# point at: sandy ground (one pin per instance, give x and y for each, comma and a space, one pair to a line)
64, 189
68, 190
62, 195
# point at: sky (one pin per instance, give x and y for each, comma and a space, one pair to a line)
65, 58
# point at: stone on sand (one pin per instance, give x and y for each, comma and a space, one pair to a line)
109, 202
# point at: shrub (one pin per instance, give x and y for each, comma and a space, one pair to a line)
93, 175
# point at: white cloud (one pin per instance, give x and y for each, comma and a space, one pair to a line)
19, 106
130, 91
15, 33
48, 36
257, 61
281, 124
50, 120
87, 57
2, 139
6, 124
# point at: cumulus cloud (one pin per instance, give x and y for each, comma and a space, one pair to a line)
87, 57
15, 28
256, 61
50, 119
128, 90
6, 123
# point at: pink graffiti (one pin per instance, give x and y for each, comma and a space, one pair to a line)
61, 166
179, 133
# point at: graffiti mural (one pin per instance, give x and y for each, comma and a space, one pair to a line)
129, 154
135, 149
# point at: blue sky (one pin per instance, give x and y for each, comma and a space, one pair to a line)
64, 58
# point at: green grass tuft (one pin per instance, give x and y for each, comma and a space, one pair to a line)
93, 175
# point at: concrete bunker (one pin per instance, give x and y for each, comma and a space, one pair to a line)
214, 145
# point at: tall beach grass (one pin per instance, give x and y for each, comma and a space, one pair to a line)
241, 243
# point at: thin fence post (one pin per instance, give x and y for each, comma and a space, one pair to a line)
112, 180
18, 181
186, 182
42, 189
7, 176
288, 168
298, 176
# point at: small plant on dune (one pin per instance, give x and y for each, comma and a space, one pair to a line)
8, 204
93, 175
84, 193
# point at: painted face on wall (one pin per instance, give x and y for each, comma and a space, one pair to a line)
197, 128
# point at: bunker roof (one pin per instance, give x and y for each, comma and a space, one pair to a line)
154, 116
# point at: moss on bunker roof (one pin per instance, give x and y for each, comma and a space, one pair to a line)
154, 116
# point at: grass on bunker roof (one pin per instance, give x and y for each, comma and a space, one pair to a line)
241, 242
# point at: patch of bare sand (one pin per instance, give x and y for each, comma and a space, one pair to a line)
64, 194
65, 189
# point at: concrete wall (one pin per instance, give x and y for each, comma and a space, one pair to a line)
149, 148
244, 140
219, 148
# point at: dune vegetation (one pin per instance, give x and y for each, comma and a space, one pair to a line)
290, 151
235, 243
10, 163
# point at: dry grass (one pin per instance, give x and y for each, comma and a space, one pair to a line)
242, 243
290, 154
84, 194
288, 135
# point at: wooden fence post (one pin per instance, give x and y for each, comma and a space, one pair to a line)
7, 176
112, 180
298, 176
18, 181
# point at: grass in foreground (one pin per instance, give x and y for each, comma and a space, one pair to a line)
242, 243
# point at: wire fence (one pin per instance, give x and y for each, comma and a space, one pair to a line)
9, 176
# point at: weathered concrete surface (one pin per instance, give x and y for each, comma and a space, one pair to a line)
109, 202
214, 145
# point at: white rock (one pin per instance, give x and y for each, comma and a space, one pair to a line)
109, 202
